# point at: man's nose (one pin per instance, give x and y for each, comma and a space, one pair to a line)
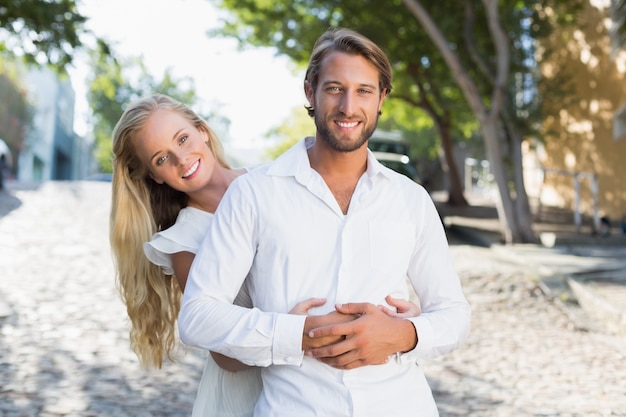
347, 104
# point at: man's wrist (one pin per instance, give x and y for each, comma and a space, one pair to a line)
411, 338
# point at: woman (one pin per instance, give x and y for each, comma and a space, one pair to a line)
169, 175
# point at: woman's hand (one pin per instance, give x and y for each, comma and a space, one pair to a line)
404, 308
303, 307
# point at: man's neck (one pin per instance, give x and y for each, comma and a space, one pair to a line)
329, 162
340, 170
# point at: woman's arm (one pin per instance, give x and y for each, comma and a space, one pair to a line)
181, 263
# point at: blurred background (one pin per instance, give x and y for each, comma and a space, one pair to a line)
519, 102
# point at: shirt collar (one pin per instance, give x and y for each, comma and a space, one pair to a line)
295, 162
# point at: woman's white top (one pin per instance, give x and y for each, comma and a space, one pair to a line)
220, 392
184, 236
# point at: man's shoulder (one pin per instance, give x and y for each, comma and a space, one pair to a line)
253, 178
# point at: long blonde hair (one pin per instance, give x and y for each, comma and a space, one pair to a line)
141, 207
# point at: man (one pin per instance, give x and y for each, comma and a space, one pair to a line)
327, 220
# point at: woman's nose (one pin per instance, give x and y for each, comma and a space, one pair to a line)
180, 157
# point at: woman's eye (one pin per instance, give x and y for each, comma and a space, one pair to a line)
161, 160
183, 139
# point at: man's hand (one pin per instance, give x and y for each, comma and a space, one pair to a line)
368, 340
314, 322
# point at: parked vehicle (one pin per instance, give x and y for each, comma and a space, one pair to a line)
399, 163
390, 142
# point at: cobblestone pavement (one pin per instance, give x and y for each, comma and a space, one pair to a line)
64, 347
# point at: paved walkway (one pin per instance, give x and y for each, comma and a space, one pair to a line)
64, 347
574, 264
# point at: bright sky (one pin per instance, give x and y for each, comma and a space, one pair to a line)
255, 89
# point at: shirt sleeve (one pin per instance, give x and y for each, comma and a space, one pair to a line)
444, 323
207, 317
184, 236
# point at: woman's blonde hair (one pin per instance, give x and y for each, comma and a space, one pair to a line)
141, 207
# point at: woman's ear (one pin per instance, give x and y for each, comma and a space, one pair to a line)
205, 136
155, 178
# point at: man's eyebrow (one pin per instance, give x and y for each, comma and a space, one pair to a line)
374, 86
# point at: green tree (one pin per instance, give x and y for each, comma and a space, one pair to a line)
114, 84
436, 70
296, 126
419, 76
45, 32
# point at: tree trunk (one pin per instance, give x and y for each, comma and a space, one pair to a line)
487, 118
455, 186
522, 205
504, 205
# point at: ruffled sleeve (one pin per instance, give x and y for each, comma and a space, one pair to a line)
184, 236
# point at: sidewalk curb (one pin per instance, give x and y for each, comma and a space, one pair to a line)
470, 235
593, 305
613, 318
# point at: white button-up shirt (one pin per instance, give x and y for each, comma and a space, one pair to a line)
280, 226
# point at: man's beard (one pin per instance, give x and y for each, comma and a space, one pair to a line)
333, 141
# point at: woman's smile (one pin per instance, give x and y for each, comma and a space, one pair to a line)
192, 169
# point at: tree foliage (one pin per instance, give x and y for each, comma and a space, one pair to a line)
297, 126
477, 66
114, 84
420, 77
45, 32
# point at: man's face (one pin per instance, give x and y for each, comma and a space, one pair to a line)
347, 101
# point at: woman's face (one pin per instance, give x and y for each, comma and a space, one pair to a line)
175, 151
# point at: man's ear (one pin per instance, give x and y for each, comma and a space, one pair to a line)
383, 95
308, 91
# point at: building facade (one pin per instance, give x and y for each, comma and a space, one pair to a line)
52, 151
579, 161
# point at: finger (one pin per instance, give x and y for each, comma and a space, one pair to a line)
336, 330
405, 308
355, 308
333, 350
397, 302
350, 360
339, 364
304, 306
388, 311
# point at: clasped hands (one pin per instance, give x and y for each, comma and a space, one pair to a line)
358, 334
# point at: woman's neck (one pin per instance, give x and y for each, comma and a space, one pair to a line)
209, 197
